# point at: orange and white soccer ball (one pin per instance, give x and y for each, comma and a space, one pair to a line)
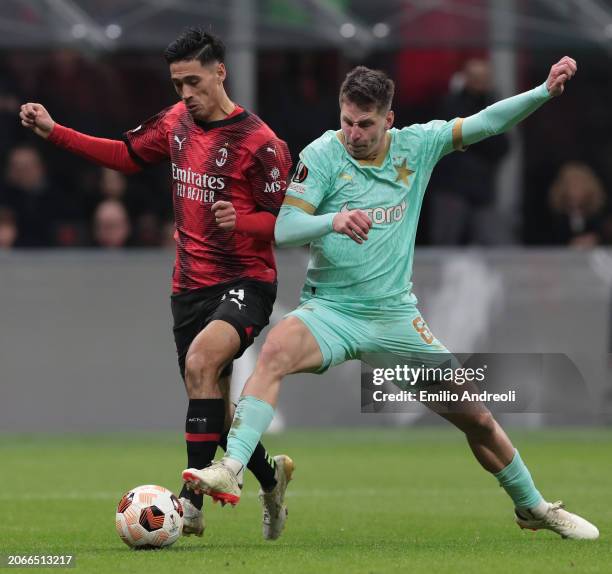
149, 516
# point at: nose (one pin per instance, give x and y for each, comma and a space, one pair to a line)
186, 92
355, 134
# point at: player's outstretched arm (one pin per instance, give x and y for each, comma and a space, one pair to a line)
109, 153
294, 226
505, 114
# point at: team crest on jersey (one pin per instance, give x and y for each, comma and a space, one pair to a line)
221, 156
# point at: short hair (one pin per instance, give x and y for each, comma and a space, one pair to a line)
195, 43
365, 88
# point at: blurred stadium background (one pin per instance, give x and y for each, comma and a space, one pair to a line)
513, 247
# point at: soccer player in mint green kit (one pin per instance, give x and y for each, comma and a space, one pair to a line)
355, 197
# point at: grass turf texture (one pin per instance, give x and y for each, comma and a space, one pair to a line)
371, 501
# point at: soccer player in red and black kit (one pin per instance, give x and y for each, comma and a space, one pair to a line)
228, 182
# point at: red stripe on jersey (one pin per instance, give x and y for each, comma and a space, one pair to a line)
239, 160
203, 437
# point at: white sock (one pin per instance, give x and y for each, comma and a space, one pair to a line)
235, 466
540, 510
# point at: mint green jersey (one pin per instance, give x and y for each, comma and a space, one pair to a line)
390, 191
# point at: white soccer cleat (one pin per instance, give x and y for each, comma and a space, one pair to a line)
564, 523
273, 502
216, 480
193, 519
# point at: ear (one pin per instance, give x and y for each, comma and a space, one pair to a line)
389, 119
221, 72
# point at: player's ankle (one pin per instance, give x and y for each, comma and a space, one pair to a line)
235, 466
540, 509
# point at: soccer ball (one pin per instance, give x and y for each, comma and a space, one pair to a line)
149, 516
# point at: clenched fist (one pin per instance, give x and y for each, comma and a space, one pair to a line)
354, 223
36, 118
560, 73
225, 214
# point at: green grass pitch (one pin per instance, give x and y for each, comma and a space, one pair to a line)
362, 501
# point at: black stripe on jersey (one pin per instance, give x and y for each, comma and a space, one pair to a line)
141, 162
221, 123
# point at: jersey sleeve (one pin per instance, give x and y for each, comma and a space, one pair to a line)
310, 180
148, 143
441, 137
268, 175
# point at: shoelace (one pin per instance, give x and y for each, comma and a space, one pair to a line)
557, 505
553, 517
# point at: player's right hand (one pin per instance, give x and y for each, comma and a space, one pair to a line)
354, 223
36, 118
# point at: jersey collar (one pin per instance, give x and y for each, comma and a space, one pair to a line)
228, 121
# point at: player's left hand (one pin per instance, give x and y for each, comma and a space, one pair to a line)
225, 214
560, 73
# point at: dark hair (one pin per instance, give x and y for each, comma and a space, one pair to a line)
365, 88
195, 44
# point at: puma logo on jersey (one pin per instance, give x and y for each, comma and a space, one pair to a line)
346, 177
180, 142
382, 215
271, 150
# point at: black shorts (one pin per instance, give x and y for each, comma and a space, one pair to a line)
246, 304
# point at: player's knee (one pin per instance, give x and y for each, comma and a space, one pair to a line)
202, 371
480, 424
274, 358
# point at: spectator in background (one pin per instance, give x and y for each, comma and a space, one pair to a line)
141, 206
463, 186
147, 230
111, 225
8, 228
9, 105
577, 200
28, 193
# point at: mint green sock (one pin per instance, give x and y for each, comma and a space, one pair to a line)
517, 482
252, 417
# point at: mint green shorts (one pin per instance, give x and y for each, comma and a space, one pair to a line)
371, 333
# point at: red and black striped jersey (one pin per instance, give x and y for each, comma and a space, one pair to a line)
237, 159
